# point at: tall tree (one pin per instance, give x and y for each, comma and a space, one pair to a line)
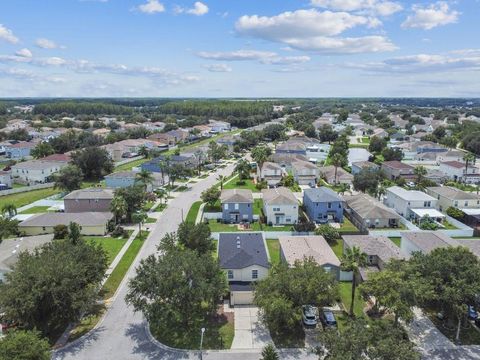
134, 197
7, 227
352, 261
195, 237
94, 162
260, 154
144, 178
74, 234
118, 207
243, 169
69, 178
337, 161
221, 179
24, 345
41, 150
420, 172
211, 196
9, 210
469, 159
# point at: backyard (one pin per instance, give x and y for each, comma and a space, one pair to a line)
274, 250
27, 197
345, 289
236, 183
396, 240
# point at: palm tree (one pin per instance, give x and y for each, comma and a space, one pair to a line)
143, 151
468, 158
221, 179
343, 188
161, 194
260, 154
118, 207
337, 161
10, 210
353, 260
381, 190
145, 178
243, 169
420, 172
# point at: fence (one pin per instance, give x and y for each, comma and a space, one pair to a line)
26, 188
129, 160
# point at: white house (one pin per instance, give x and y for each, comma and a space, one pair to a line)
280, 206
448, 196
244, 258
457, 171
219, 126
36, 171
410, 203
6, 178
305, 173
271, 173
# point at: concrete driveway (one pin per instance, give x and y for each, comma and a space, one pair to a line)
250, 333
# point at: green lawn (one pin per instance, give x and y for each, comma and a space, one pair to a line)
150, 220
220, 227
346, 297
449, 226
27, 197
122, 267
358, 145
111, 245
160, 208
17, 186
35, 210
148, 205
274, 250
257, 206
87, 323
217, 207
365, 140
130, 165
234, 184
338, 248
193, 212
396, 240
347, 226
256, 226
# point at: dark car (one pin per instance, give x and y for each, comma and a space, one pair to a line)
328, 319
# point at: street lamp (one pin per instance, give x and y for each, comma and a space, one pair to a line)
201, 343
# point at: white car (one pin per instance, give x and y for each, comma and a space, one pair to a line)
309, 315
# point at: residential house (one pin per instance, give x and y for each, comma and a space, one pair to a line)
291, 148
450, 155
204, 130
228, 140
412, 204
237, 205
342, 176
5, 179
19, 150
286, 160
271, 173
125, 179
91, 223
244, 258
458, 171
280, 206
380, 133
379, 250
448, 196
61, 158
323, 205
305, 173
88, 200
298, 248
360, 165
155, 165
219, 126
36, 171
396, 169
425, 241
368, 213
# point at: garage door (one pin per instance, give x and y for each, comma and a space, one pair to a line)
241, 298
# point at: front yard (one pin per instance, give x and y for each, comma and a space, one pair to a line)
236, 183
111, 245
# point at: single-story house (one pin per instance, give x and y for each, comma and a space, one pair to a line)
271, 173
293, 248
244, 258
425, 241
323, 205
343, 176
280, 206
237, 205
379, 250
91, 223
368, 213
448, 196
88, 200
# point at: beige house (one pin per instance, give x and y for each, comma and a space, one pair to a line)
280, 206
343, 177
271, 173
91, 223
305, 173
448, 196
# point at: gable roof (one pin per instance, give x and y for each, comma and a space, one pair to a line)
36, 165
454, 164
82, 219
453, 193
380, 246
236, 196
298, 247
322, 194
397, 165
369, 208
268, 165
428, 241
91, 193
299, 165
411, 195
238, 251
279, 196
329, 171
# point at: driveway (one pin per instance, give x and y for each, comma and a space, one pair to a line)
250, 333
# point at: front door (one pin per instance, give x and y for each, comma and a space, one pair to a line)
277, 220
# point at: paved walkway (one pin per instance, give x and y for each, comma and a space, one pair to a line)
250, 333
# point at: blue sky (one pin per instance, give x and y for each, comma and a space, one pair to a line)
247, 48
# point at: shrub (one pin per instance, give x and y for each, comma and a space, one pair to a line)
119, 232
60, 232
455, 213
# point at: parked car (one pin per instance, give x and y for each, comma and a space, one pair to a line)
309, 315
472, 313
328, 319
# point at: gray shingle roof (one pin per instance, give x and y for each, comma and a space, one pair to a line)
453, 193
279, 196
322, 194
92, 193
236, 196
82, 219
428, 241
238, 251
369, 208
300, 247
380, 246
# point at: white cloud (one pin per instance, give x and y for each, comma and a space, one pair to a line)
431, 16
218, 68
30, 75
382, 8
7, 35
24, 53
312, 30
152, 7
264, 57
198, 9
47, 44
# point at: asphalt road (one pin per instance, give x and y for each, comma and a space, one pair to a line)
122, 333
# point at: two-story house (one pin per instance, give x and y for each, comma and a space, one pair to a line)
237, 206
19, 150
396, 169
323, 205
291, 147
305, 173
271, 173
88, 200
280, 206
458, 171
338, 176
448, 196
360, 165
244, 258
36, 171
219, 126
412, 204
155, 165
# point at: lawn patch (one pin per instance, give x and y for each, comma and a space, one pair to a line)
274, 250
128, 166
193, 212
345, 289
236, 183
397, 240
347, 226
337, 248
112, 246
160, 208
27, 197
36, 210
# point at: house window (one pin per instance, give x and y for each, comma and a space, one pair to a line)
230, 274
466, 203
43, 228
225, 206
339, 206
327, 268
329, 205
236, 206
276, 209
254, 274
455, 203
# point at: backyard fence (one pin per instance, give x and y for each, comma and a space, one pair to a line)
26, 188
